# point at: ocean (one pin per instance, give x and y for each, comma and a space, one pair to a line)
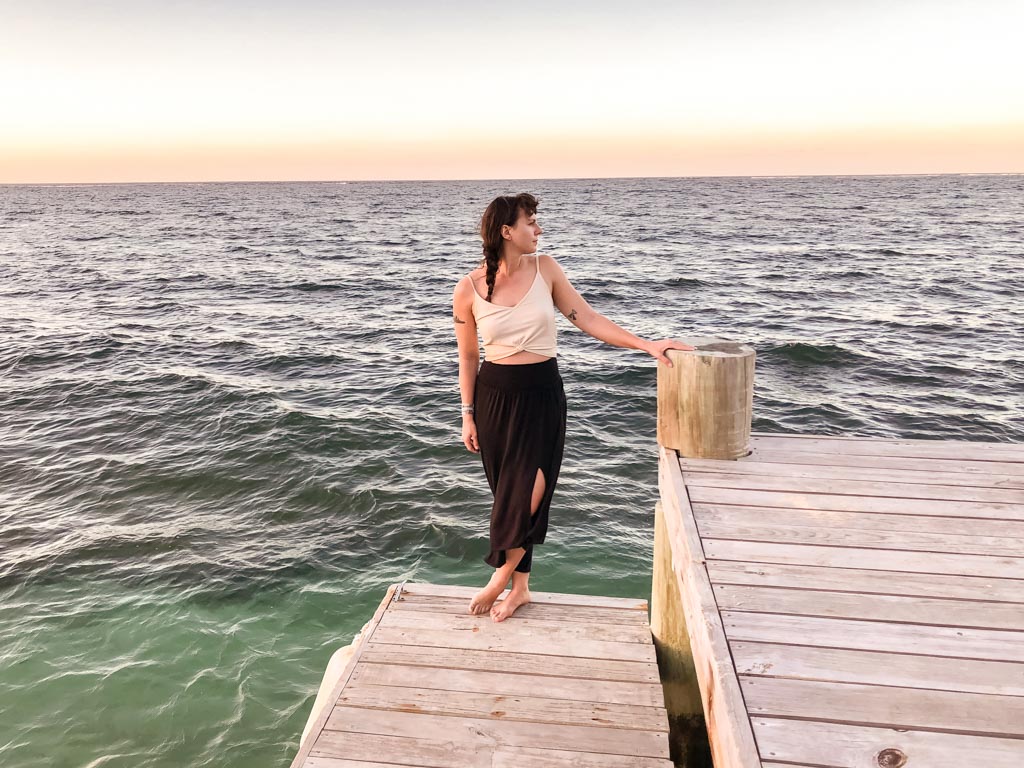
229, 413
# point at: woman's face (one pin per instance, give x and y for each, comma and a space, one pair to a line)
525, 233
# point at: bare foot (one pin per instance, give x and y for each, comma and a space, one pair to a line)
484, 599
508, 606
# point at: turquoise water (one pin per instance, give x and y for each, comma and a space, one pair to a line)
229, 413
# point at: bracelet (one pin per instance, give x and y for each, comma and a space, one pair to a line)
468, 409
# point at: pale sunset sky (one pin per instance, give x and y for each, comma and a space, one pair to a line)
452, 89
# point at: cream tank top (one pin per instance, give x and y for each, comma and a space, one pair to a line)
529, 326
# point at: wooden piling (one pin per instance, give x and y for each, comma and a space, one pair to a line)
705, 400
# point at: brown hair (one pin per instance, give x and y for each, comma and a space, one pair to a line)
502, 211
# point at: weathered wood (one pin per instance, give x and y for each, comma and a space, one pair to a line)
479, 733
867, 521
530, 693
880, 504
847, 579
777, 531
438, 752
857, 488
469, 659
533, 709
876, 474
553, 630
732, 742
885, 706
845, 605
520, 684
1005, 678
998, 645
851, 746
488, 639
867, 559
705, 400
539, 612
926, 449
687, 735
319, 761
872, 596
547, 598
781, 456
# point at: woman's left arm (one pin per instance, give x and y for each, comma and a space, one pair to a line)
589, 320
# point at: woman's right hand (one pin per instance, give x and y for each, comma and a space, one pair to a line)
469, 434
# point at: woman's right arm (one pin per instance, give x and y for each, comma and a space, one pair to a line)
469, 356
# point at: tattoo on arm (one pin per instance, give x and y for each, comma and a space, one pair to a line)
572, 315
458, 321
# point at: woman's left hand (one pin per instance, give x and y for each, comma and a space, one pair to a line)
657, 349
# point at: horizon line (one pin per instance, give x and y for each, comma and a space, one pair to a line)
536, 178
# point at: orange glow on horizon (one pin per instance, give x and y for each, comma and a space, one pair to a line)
998, 149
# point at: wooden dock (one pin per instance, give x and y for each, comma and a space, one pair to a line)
569, 680
854, 603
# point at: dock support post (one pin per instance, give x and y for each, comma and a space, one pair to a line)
704, 412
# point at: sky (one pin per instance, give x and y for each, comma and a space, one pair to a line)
225, 90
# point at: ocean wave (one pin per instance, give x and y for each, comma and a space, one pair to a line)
804, 353
686, 282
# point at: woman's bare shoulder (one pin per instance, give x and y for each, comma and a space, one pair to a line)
550, 268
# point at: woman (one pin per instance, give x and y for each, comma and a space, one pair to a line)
513, 407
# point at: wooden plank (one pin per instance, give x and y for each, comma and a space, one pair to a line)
556, 632
788, 456
878, 668
772, 529
867, 582
845, 605
994, 644
568, 688
550, 598
868, 521
858, 488
968, 445
880, 504
442, 753
510, 642
539, 664
886, 706
729, 729
558, 758
481, 733
318, 761
857, 474
924, 449
534, 611
866, 559
532, 709
318, 725
849, 746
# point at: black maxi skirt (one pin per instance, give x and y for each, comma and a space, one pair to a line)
520, 422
